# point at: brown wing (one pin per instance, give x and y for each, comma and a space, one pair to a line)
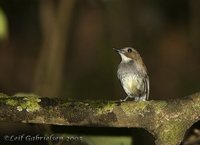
147, 87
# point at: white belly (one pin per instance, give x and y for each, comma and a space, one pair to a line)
131, 84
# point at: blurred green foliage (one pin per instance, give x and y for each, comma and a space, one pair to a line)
107, 140
3, 25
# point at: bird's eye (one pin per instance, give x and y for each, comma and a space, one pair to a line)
129, 50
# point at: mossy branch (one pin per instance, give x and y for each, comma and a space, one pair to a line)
166, 120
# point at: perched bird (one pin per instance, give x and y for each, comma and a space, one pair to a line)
133, 74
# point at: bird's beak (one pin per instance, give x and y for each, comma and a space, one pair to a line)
118, 50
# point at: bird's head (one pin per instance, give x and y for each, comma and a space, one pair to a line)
128, 54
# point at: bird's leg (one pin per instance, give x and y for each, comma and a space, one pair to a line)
123, 100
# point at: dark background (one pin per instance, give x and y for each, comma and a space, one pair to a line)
64, 48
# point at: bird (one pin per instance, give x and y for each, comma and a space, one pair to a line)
132, 73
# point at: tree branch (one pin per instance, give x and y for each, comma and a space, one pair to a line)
166, 120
